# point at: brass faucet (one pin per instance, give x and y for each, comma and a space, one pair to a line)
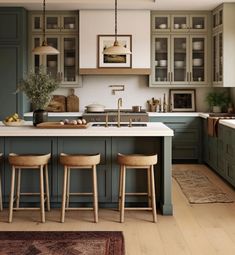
119, 112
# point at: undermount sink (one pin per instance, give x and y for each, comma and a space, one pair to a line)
121, 125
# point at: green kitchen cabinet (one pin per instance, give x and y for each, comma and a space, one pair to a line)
13, 45
81, 180
186, 142
30, 181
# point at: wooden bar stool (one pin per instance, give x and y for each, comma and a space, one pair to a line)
79, 162
135, 162
1, 207
29, 162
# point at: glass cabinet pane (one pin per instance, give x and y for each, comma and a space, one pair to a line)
220, 60
198, 59
161, 22
69, 22
180, 22
69, 59
52, 61
37, 22
220, 17
198, 22
52, 22
215, 57
36, 58
180, 59
161, 60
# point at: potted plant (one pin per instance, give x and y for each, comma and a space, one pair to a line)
38, 87
217, 100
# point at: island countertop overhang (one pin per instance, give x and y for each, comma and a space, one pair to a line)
156, 129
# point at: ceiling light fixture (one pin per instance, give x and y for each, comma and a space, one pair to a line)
45, 49
117, 48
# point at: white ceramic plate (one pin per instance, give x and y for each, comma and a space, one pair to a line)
13, 124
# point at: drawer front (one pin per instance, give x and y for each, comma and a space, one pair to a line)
182, 151
185, 135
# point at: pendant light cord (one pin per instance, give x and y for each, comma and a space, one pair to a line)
115, 20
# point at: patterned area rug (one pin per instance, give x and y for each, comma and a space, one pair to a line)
199, 189
62, 243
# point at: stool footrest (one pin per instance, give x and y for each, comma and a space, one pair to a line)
79, 209
138, 208
27, 208
81, 194
136, 194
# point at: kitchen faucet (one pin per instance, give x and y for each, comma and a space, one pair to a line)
119, 112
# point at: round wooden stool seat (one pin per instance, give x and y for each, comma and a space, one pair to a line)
79, 161
137, 161
1, 207
29, 162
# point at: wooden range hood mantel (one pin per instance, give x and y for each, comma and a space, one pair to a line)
115, 71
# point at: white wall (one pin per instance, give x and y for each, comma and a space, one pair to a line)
96, 90
101, 22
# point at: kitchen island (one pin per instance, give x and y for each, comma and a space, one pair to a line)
152, 138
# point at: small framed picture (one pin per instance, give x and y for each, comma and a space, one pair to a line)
114, 61
183, 100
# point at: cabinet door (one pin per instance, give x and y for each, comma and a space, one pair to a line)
218, 58
180, 23
160, 23
161, 60
198, 60
69, 54
69, 23
179, 56
53, 23
36, 21
198, 23
217, 19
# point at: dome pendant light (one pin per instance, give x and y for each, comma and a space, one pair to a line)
45, 49
117, 48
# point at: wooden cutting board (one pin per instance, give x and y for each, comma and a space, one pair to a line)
57, 104
58, 125
72, 102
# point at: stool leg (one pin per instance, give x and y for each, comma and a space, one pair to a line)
68, 188
95, 196
42, 195
149, 187
47, 188
18, 188
11, 194
0, 193
123, 168
64, 194
153, 195
120, 188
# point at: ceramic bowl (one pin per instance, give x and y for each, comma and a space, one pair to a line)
197, 45
198, 26
52, 63
197, 62
69, 61
179, 63
176, 26
162, 26
163, 62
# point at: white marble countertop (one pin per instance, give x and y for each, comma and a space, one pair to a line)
156, 129
228, 123
177, 114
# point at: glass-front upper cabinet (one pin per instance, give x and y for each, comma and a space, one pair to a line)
217, 58
161, 23
198, 61
192, 23
161, 59
55, 23
180, 74
217, 19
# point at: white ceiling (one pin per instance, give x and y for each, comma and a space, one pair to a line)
122, 4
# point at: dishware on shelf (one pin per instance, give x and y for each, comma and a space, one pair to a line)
179, 63
71, 25
162, 26
52, 63
69, 61
176, 26
158, 45
156, 63
197, 62
198, 26
197, 45
183, 26
183, 46
163, 62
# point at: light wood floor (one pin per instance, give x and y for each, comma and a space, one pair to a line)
194, 229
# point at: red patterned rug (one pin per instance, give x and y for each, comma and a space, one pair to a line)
62, 243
